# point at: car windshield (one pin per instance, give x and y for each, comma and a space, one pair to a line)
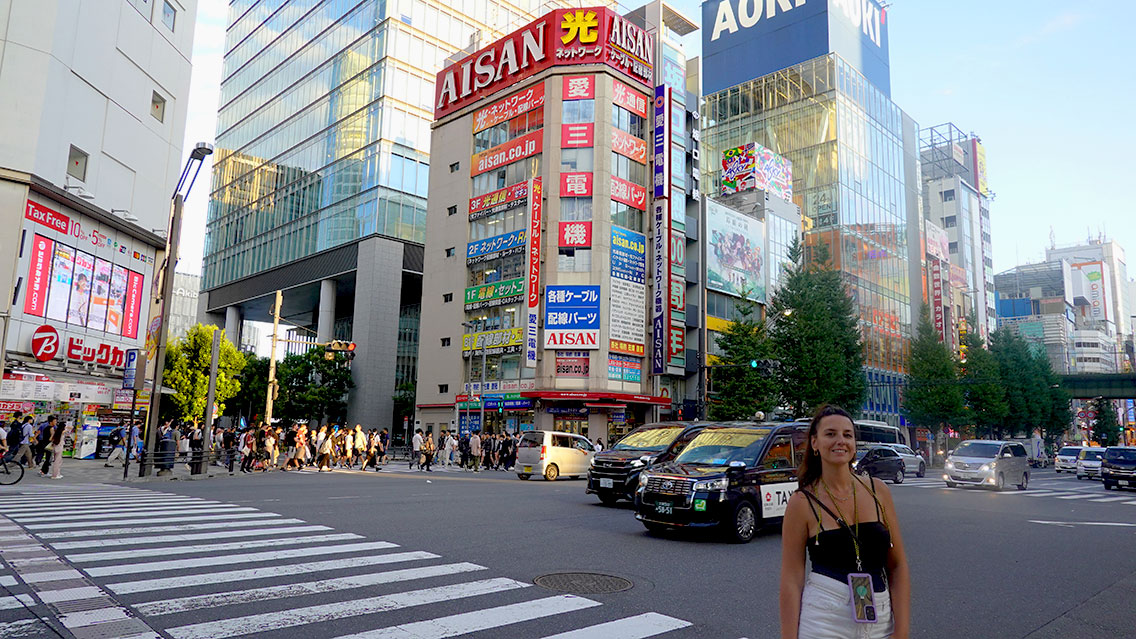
720, 446
1120, 454
1069, 451
651, 440
977, 449
860, 453
1091, 454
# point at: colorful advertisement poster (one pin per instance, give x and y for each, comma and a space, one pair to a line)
494, 247
575, 185
533, 278
659, 321
499, 342
80, 305
628, 145
100, 295
525, 146
938, 312
520, 102
573, 363
735, 259
980, 168
50, 218
622, 368
498, 201
628, 193
579, 87
495, 294
661, 178
133, 305
115, 300
575, 235
629, 98
572, 317
62, 270
577, 135
752, 166
626, 323
738, 165
1092, 288
676, 300
938, 242
39, 276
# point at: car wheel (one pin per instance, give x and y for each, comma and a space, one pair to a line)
744, 523
1000, 483
1025, 482
609, 499
1058, 471
898, 479
552, 472
951, 484
1080, 476
1107, 486
922, 470
523, 476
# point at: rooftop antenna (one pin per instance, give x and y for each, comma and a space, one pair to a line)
1052, 238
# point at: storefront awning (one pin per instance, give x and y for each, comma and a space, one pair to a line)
568, 396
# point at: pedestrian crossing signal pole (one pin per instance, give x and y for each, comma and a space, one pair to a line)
271, 395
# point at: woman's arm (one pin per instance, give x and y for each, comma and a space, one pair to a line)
899, 579
794, 536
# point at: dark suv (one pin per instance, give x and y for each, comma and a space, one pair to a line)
733, 476
614, 473
1118, 468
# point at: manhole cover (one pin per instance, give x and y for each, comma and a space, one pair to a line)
582, 583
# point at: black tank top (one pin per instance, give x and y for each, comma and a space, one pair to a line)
833, 553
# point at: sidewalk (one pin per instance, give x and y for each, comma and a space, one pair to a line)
1108, 613
92, 471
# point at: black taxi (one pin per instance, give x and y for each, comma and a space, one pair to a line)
733, 476
614, 473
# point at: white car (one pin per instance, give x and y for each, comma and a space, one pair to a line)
1089, 463
1066, 459
913, 463
551, 454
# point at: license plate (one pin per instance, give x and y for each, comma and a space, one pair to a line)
528, 469
1124, 482
664, 507
606, 482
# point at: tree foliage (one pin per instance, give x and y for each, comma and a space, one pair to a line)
404, 401
186, 371
312, 387
1106, 428
742, 390
249, 400
986, 404
1026, 390
933, 397
1055, 402
816, 336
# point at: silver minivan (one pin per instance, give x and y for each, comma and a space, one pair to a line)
552, 454
989, 463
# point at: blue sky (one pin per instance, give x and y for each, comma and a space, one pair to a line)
1047, 86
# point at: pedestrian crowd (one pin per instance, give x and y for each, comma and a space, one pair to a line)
472, 451
34, 445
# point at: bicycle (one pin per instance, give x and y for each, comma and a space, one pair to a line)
11, 472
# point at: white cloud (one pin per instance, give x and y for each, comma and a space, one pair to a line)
1058, 24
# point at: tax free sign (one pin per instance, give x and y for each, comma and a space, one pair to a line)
746, 39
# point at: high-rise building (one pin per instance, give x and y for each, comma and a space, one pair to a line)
321, 170
1114, 301
814, 88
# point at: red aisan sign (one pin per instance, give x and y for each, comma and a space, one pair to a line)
507, 153
575, 185
503, 110
579, 87
629, 193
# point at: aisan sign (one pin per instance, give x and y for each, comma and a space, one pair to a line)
565, 36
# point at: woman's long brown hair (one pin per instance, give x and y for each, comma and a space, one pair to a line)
809, 471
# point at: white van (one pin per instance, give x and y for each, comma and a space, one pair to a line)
552, 454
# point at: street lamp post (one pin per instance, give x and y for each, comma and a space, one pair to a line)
173, 237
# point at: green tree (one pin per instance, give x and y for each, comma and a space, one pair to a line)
740, 389
187, 372
1106, 428
249, 400
1021, 382
933, 397
985, 398
404, 402
313, 387
1055, 403
816, 336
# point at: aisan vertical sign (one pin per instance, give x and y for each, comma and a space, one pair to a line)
536, 194
661, 279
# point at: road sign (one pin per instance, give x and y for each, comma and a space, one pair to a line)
134, 372
45, 343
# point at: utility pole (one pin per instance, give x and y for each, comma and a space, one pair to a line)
210, 397
272, 360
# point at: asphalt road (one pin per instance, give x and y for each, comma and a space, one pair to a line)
984, 564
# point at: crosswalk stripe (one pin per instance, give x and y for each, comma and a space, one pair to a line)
1107, 499
469, 622
175, 510
102, 532
70, 594
637, 627
247, 558
80, 558
5, 580
98, 508
85, 618
1075, 497
20, 628
15, 601
1130, 503
148, 520
43, 502
170, 606
163, 539
50, 575
265, 622
231, 576
1047, 494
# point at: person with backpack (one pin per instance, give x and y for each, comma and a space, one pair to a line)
46, 438
13, 435
384, 446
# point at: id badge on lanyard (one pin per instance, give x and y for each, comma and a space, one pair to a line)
863, 598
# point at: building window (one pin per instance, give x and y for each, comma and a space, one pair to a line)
77, 164
628, 217
450, 252
443, 388
158, 107
575, 209
575, 260
953, 247
576, 159
452, 210
950, 222
169, 15
445, 342
578, 111
948, 195
455, 167
447, 298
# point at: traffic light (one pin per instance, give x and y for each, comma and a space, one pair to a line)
753, 363
501, 407
342, 346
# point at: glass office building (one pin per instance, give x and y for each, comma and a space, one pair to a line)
855, 178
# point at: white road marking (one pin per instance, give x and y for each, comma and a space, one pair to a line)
170, 606
92, 617
80, 558
270, 572
147, 520
637, 627
70, 594
1070, 524
163, 539
16, 601
100, 533
1075, 497
99, 518
5, 580
1108, 499
96, 504
251, 624
469, 622
144, 506
224, 560
50, 575
20, 628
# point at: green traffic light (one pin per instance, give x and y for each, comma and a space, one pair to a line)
753, 363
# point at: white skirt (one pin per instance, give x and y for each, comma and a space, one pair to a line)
826, 612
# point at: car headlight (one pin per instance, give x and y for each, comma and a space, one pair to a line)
643, 479
711, 484
950, 464
635, 463
986, 467
592, 461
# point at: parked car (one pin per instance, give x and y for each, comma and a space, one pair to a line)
913, 462
551, 454
1089, 462
1118, 468
614, 474
879, 461
1066, 459
987, 463
734, 477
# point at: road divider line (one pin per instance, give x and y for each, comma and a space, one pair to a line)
109, 555
100, 533
637, 627
267, 622
270, 572
235, 597
147, 520
163, 539
247, 558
